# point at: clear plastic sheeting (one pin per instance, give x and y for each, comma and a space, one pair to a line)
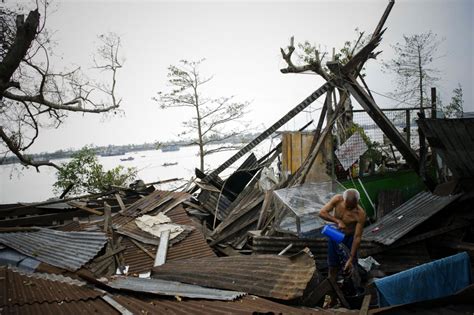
297, 208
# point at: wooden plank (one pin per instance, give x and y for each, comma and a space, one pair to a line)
364, 309
296, 150
46, 219
107, 216
265, 206
162, 251
120, 202
84, 207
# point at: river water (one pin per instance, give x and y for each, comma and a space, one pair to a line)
27, 185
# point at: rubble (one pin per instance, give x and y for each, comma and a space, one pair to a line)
248, 242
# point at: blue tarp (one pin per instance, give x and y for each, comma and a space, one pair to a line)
433, 280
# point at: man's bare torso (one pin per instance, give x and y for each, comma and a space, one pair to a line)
350, 217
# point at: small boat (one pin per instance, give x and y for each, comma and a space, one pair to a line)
130, 158
169, 164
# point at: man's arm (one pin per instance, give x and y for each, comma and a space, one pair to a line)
324, 212
357, 239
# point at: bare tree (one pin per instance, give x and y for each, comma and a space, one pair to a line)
412, 67
33, 95
311, 59
212, 116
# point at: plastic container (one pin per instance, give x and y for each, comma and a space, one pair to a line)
333, 233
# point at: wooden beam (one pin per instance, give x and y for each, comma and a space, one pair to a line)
264, 135
120, 202
383, 122
84, 207
364, 309
46, 219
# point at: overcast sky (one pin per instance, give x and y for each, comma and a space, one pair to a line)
241, 42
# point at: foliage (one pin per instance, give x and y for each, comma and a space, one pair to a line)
88, 176
311, 54
412, 67
455, 108
212, 117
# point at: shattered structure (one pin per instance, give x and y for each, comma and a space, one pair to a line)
250, 242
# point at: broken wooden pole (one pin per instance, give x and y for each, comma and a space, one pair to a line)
107, 216
162, 251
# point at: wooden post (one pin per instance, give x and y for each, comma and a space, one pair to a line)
433, 102
107, 216
408, 126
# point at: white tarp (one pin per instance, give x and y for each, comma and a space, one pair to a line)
157, 224
350, 151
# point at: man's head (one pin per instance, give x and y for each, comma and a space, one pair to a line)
351, 198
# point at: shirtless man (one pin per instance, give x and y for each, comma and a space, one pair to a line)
350, 219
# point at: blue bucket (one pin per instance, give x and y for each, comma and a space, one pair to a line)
333, 233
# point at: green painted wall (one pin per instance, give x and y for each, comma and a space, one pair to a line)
407, 181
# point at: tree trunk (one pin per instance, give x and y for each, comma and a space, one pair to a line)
420, 70
25, 34
200, 138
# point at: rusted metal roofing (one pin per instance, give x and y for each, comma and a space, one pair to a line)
171, 288
275, 244
158, 198
68, 250
264, 275
246, 305
193, 246
21, 288
406, 217
453, 140
35, 293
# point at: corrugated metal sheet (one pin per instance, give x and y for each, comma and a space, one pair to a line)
20, 289
274, 245
68, 250
171, 288
406, 217
246, 305
264, 275
453, 139
193, 246
156, 199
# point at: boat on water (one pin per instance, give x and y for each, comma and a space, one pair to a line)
169, 164
169, 148
130, 158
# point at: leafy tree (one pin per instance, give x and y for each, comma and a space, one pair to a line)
32, 94
87, 175
211, 116
456, 107
413, 69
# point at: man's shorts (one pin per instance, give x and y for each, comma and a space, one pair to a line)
336, 255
